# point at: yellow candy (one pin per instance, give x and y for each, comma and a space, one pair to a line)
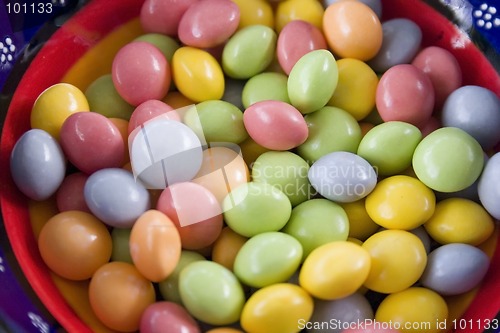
400, 202
361, 225
414, 310
335, 270
54, 105
278, 308
356, 88
255, 12
306, 10
398, 259
197, 74
458, 220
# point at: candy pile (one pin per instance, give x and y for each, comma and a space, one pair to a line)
262, 166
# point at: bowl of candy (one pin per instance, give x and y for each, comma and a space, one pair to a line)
258, 166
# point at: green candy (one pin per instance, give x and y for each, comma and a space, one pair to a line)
104, 99
254, 208
389, 146
249, 51
166, 44
265, 86
330, 129
316, 222
448, 160
211, 293
121, 250
312, 81
268, 258
217, 121
286, 171
169, 288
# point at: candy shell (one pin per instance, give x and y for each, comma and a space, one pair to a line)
454, 269
211, 293
115, 197
267, 258
254, 208
406, 94
400, 43
342, 177
74, 244
119, 294
161, 316
92, 142
241, 59
312, 81
448, 160
140, 72
37, 164
476, 110
489, 186
198, 28
163, 16
275, 125
195, 212
295, 40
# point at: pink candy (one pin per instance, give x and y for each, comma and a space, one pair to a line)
92, 142
275, 125
289, 50
405, 93
198, 28
140, 72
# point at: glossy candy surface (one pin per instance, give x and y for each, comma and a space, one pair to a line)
398, 259
489, 186
297, 38
342, 177
241, 59
115, 197
485, 107
400, 202
455, 269
54, 105
448, 160
312, 80
211, 293
161, 316
335, 270
253, 208
352, 30
316, 222
140, 72
194, 211
37, 164
197, 74
155, 245
406, 94
267, 258
119, 294
330, 129
74, 244
92, 142
275, 125
198, 27
289, 302
458, 220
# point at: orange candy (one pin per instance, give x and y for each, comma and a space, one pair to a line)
155, 245
119, 294
352, 30
74, 244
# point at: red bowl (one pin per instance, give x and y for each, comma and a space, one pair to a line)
66, 56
